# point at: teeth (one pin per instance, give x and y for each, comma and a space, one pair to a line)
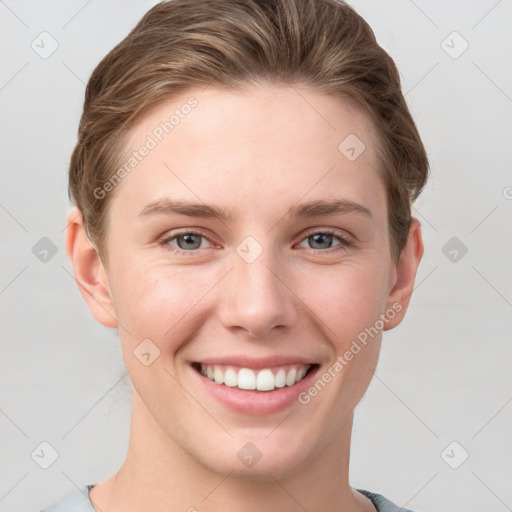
246, 379
290, 377
300, 374
265, 381
230, 378
280, 379
262, 380
218, 375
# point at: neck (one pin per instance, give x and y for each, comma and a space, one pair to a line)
159, 475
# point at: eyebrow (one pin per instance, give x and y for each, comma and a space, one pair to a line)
308, 209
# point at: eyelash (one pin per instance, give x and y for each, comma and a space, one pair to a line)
345, 242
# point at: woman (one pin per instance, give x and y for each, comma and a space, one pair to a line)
243, 182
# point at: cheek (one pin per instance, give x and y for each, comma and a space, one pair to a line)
348, 300
169, 304
158, 302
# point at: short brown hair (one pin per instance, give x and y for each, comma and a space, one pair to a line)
180, 44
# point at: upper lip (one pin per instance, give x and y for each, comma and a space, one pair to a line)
245, 361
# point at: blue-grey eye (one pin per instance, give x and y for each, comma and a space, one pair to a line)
191, 241
324, 240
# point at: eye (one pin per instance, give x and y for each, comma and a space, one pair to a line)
323, 239
186, 242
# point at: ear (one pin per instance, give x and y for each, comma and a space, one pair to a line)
89, 271
410, 257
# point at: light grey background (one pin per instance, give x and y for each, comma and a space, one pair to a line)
444, 374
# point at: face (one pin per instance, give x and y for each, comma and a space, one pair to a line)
248, 246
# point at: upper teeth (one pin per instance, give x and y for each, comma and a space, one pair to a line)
265, 380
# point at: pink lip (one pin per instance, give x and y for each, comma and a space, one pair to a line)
257, 403
256, 363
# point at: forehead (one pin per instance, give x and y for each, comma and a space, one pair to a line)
252, 147
204, 113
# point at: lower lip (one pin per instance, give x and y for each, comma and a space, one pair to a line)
257, 403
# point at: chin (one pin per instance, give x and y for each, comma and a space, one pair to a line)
257, 458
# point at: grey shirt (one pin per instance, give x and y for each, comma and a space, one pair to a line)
78, 501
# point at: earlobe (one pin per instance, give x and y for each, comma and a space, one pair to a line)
410, 257
89, 271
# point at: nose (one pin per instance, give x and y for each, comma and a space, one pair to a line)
257, 298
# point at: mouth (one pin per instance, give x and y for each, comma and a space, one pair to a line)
263, 380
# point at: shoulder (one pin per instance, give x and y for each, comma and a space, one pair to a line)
381, 503
77, 501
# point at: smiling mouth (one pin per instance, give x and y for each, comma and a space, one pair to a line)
264, 379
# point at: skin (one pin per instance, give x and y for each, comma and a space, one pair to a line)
257, 153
